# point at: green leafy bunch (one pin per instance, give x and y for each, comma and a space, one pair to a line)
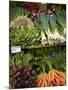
24, 38
20, 59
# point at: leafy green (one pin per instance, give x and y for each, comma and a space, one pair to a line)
26, 58
61, 21
24, 38
20, 59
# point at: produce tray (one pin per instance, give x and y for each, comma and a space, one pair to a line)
40, 46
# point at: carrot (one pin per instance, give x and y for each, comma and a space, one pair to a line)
62, 80
39, 78
51, 84
46, 81
39, 82
57, 72
59, 78
61, 74
62, 83
57, 81
49, 76
46, 76
43, 80
52, 75
42, 85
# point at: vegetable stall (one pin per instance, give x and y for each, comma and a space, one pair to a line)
39, 31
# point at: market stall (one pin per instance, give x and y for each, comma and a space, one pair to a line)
37, 36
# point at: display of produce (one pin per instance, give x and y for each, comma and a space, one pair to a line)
37, 45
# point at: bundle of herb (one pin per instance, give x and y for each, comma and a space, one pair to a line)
24, 38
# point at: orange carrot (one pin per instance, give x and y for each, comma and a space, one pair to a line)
46, 81
39, 83
59, 73
49, 76
43, 80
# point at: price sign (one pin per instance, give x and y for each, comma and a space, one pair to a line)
15, 49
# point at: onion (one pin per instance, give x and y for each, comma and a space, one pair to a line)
43, 40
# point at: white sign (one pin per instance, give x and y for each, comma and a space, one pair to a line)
15, 49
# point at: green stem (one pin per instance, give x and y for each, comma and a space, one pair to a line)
43, 69
50, 66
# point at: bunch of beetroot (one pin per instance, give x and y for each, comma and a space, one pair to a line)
23, 77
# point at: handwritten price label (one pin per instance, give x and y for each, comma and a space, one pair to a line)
15, 49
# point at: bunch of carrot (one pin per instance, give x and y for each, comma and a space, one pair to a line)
42, 80
56, 78
53, 78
